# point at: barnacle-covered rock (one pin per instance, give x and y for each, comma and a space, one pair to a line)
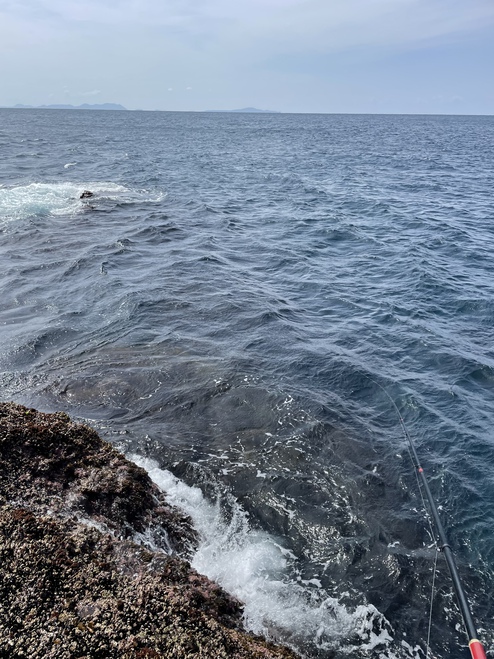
73, 581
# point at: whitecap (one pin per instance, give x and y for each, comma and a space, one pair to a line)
42, 199
39, 199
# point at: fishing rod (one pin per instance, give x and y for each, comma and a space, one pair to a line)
476, 648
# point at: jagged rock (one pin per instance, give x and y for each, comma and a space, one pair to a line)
74, 582
49, 463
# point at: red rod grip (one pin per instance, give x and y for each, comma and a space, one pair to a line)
477, 649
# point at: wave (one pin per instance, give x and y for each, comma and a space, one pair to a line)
255, 568
44, 199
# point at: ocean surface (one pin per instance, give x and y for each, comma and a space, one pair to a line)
238, 307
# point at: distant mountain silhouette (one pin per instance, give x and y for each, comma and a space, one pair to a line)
84, 106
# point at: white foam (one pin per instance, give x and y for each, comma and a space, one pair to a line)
251, 566
23, 201
41, 199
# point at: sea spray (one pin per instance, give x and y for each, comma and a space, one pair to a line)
254, 567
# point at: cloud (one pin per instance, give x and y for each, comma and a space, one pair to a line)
322, 24
325, 26
247, 52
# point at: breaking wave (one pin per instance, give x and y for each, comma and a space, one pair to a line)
44, 199
255, 568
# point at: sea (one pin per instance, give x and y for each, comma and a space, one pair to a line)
246, 306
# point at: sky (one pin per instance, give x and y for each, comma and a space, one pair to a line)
334, 56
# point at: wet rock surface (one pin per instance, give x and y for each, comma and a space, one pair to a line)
74, 582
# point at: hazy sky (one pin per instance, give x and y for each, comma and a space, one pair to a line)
396, 56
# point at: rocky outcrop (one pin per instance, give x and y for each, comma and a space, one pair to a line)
74, 580
53, 466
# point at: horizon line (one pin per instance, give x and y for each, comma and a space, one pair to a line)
235, 111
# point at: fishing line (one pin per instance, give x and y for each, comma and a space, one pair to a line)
427, 647
476, 648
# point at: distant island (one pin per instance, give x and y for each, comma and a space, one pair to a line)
247, 110
84, 106
117, 106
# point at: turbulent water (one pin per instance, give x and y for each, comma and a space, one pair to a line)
233, 307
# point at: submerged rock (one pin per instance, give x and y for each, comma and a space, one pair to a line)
74, 582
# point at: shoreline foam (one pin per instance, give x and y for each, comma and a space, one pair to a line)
74, 581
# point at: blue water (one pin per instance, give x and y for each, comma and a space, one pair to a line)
229, 304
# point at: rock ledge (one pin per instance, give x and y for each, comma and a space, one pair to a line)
74, 582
